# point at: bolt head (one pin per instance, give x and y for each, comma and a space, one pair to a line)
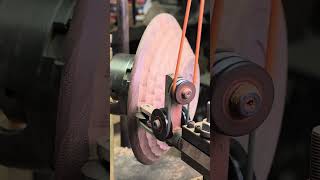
249, 104
246, 100
186, 93
156, 124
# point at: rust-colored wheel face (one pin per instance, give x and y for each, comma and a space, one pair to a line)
156, 57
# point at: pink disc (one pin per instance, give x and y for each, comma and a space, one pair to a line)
155, 58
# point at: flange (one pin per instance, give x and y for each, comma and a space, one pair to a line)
160, 124
184, 92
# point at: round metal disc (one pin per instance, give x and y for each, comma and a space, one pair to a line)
239, 73
156, 57
244, 29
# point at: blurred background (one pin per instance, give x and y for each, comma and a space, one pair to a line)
302, 105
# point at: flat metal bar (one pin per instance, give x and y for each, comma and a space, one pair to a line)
195, 139
149, 130
194, 153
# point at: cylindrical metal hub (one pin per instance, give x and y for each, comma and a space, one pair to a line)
120, 71
185, 92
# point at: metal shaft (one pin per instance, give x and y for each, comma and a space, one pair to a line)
208, 111
123, 19
188, 114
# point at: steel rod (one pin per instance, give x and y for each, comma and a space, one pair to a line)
123, 25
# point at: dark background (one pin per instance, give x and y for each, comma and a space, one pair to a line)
302, 105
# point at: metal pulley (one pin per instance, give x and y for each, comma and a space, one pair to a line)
242, 95
185, 92
161, 125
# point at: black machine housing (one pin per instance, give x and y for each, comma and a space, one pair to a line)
32, 34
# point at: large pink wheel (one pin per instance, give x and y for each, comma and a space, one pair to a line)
156, 57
